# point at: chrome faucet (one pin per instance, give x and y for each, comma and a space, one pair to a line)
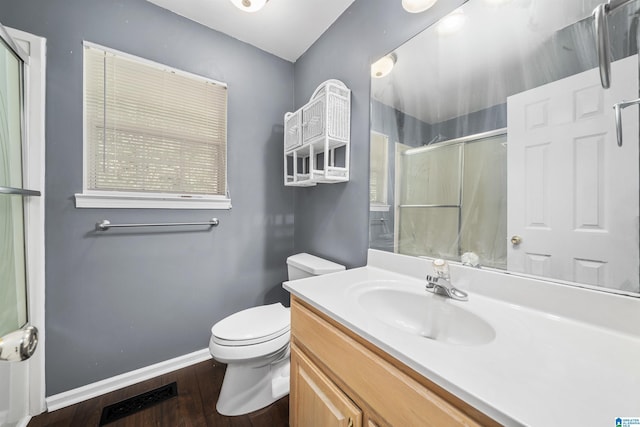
442, 286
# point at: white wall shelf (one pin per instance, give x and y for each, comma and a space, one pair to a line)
317, 137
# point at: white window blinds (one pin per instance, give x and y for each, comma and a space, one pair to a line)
152, 129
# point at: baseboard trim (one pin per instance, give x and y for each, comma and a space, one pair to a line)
24, 422
89, 391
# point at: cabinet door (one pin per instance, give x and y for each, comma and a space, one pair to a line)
315, 400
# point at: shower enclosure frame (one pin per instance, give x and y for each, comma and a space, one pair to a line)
33, 154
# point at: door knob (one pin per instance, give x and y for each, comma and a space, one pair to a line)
516, 240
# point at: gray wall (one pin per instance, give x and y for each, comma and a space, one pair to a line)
332, 220
121, 300
398, 126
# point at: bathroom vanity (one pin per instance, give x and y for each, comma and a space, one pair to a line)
338, 378
371, 347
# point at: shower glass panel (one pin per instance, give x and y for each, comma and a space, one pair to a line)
431, 231
13, 306
484, 201
431, 176
453, 199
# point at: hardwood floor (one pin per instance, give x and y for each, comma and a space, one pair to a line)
195, 405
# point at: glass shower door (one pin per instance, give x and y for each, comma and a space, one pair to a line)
430, 197
17, 338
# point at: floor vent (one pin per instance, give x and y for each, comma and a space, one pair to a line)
137, 403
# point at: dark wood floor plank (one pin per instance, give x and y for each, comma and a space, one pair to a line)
88, 413
198, 390
58, 418
204, 382
187, 410
210, 376
275, 415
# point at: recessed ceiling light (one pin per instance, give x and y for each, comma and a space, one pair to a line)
417, 6
383, 66
451, 23
249, 5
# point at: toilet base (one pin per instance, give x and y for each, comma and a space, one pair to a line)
247, 388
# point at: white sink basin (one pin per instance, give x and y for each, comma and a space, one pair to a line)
420, 313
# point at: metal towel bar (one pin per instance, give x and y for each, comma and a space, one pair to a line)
104, 225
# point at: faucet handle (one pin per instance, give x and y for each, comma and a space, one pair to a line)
431, 281
441, 268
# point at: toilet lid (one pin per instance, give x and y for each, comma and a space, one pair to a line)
253, 325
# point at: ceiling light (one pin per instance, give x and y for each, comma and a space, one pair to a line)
451, 23
249, 5
417, 6
383, 66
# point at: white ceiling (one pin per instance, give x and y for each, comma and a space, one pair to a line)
285, 28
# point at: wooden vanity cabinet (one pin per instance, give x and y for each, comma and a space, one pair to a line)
318, 402
340, 379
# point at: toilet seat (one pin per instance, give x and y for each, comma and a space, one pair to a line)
248, 354
252, 326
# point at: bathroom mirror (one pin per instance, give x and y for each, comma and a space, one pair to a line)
493, 143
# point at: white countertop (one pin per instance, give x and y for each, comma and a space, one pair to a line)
541, 369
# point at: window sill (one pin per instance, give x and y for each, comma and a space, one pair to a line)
116, 201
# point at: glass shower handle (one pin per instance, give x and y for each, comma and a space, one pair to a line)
602, 44
19, 345
601, 26
618, 116
19, 191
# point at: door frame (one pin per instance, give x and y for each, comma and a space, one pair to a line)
33, 154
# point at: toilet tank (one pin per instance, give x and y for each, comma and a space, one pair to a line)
307, 265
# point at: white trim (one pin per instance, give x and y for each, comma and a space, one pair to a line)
13, 46
85, 151
24, 422
150, 63
112, 200
89, 391
34, 178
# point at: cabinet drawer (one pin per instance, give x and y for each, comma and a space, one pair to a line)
399, 399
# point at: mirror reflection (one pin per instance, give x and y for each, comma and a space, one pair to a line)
493, 143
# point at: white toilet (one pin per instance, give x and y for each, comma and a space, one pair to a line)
254, 343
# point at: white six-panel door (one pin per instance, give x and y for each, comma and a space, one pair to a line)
572, 192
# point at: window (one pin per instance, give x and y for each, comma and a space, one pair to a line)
378, 172
154, 136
